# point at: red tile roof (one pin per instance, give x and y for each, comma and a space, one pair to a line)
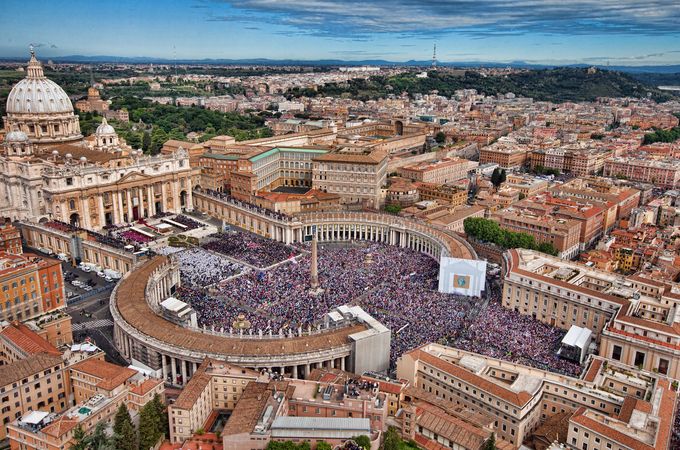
110, 375
28, 340
516, 398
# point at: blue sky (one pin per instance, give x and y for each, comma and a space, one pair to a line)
541, 31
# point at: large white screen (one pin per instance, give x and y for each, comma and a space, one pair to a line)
462, 276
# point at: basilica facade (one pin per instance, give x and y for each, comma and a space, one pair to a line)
48, 171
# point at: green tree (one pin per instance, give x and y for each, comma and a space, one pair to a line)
547, 247
79, 439
440, 137
503, 176
392, 439
497, 177
162, 411
149, 427
393, 209
158, 138
146, 142
323, 445
124, 435
99, 440
363, 441
490, 443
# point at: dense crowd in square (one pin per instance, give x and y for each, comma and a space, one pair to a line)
396, 286
199, 267
250, 248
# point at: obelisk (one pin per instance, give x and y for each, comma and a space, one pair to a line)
314, 275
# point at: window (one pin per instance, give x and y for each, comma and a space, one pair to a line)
616, 353
639, 358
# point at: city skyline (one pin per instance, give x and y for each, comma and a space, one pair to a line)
547, 32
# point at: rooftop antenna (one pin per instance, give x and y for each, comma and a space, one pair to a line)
434, 57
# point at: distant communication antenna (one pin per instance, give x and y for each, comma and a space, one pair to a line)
174, 58
434, 57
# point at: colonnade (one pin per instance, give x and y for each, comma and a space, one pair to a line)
177, 365
388, 234
251, 218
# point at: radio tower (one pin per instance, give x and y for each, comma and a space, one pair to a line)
434, 57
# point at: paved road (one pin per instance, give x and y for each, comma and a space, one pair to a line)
99, 323
92, 318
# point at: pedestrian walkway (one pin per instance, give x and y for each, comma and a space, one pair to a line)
92, 324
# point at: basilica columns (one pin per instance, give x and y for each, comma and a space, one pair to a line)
129, 205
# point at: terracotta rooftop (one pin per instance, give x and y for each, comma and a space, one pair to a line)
60, 426
516, 398
110, 375
665, 414
249, 408
450, 427
18, 370
631, 404
146, 386
27, 340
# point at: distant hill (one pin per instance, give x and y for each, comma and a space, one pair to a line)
556, 85
337, 62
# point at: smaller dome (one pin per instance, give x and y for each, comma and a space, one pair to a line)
16, 136
104, 128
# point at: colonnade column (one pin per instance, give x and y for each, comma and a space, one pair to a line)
140, 199
164, 366
100, 205
184, 372
163, 197
149, 196
173, 366
85, 222
129, 205
114, 207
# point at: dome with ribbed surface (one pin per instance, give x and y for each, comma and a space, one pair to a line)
104, 128
16, 136
35, 94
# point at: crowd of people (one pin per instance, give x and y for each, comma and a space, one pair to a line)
134, 236
110, 240
188, 222
505, 334
675, 438
396, 286
250, 248
199, 267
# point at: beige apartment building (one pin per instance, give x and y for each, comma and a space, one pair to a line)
608, 398
452, 195
216, 385
633, 317
356, 175
662, 173
36, 382
563, 234
33, 374
512, 157
447, 170
104, 386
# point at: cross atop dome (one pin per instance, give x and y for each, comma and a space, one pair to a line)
35, 69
